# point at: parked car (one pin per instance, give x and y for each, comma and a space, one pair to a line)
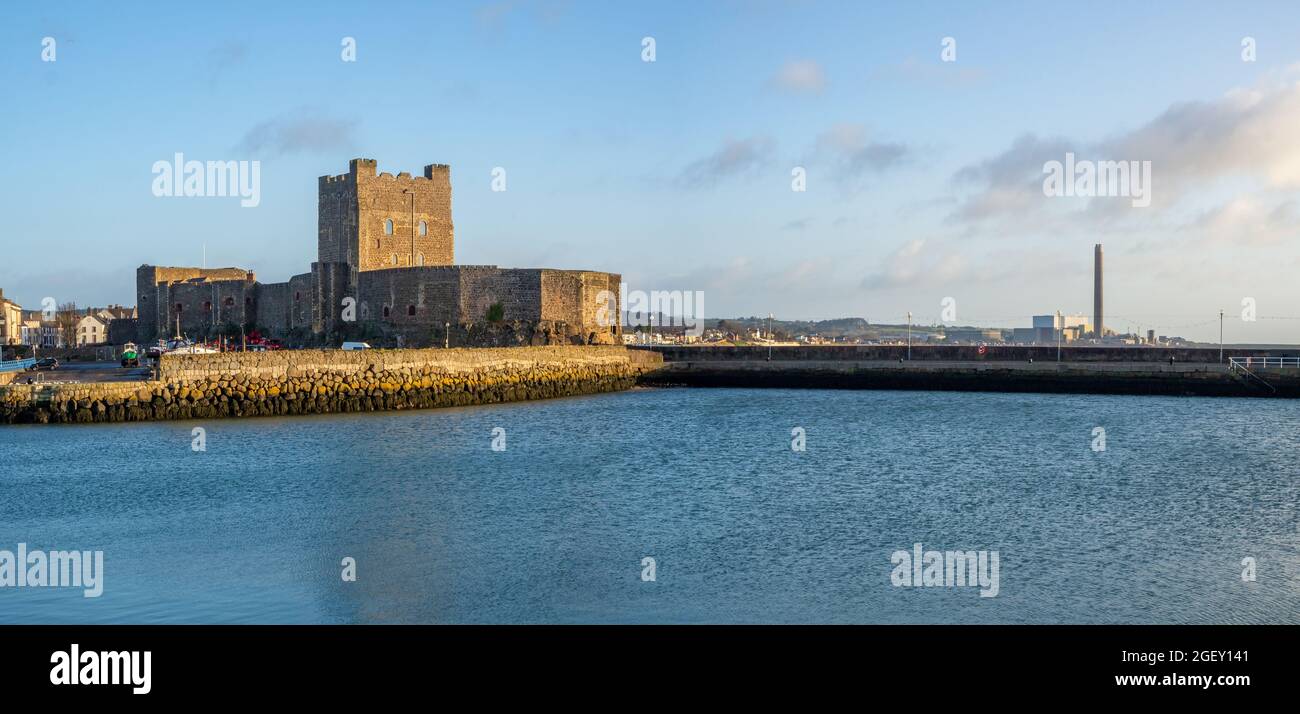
43, 364
355, 346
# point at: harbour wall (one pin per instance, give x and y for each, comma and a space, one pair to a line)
971, 353
1096, 377
236, 384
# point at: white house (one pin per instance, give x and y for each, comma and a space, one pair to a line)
92, 330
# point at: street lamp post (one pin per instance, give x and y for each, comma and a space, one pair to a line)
1220, 335
909, 336
446, 335
1060, 328
769, 337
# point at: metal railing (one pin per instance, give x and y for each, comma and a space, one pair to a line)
1249, 363
16, 365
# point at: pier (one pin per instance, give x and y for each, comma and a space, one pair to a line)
1082, 370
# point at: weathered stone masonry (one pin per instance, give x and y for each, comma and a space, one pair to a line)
326, 381
387, 242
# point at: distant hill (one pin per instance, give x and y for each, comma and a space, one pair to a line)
841, 327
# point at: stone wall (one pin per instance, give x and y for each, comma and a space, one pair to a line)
205, 307
273, 307
155, 285
334, 284
556, 305
1094, 377
122, 330
327, 381
336, 217
409, 298
575, 297
993, 353
301, 300
282, 307
518, 290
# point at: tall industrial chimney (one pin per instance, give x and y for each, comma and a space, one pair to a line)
1098, 326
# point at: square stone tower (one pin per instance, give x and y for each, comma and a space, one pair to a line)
375, 221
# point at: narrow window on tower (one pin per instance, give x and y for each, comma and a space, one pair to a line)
388, 226
424, 228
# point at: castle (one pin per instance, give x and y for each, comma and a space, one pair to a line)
385, 269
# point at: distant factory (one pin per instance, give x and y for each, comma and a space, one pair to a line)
1048, 329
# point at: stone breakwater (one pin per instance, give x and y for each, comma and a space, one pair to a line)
1136, 378
331, 381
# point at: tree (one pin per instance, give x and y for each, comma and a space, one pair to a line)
66, 319
496, 312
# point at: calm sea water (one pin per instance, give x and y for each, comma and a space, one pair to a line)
554, 528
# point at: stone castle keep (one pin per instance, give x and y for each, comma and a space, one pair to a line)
387, 242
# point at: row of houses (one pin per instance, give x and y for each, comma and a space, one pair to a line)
66, 328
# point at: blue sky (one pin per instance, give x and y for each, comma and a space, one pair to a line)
923, 175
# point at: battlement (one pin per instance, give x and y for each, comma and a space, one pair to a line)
162, 274
404, 177
341, 178
356, 169
359, 169
442, 268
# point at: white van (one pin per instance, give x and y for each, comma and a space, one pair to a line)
355, 346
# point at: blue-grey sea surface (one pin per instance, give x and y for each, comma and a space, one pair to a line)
556, 526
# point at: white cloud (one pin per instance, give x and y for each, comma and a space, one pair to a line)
304, 131
1247, 220
850, 156
800, 76
1247, 135
736, 157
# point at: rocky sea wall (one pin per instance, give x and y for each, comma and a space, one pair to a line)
241, 384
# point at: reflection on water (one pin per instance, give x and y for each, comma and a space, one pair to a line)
742, 528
